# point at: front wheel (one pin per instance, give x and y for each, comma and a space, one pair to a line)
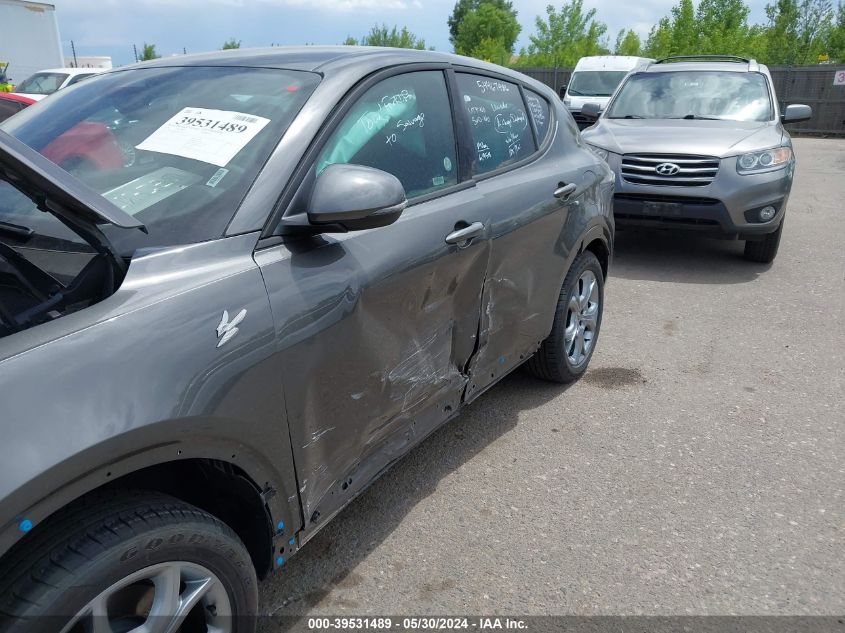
764, 251
563, 357
129, 562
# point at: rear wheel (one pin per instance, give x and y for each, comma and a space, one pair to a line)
563, 357
765, 250
129, 562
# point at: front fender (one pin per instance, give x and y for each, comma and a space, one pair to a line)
138, 379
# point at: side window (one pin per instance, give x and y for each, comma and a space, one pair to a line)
402, 125
497, 120
538, 107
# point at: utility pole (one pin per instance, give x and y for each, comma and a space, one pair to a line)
135, 48
73, 49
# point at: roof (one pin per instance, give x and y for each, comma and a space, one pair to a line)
315, 58
733, 67
611, 62
70, 71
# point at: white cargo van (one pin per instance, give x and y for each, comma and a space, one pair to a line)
595, 79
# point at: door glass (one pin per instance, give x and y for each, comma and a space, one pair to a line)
402, 125
497, 120
538, 107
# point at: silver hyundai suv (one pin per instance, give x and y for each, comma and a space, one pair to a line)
698, 143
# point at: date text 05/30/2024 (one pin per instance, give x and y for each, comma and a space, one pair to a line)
416, 623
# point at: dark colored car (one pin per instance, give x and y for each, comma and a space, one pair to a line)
236, 307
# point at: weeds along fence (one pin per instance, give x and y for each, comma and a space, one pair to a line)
812, 85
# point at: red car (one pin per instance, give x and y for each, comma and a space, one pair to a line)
12, 104
87, 144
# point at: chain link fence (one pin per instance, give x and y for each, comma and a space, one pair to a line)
812, 85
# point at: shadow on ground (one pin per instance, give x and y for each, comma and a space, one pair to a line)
681, 258
330, 558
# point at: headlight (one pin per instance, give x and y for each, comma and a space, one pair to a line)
767, 160
598, 151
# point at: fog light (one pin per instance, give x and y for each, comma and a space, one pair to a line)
767, 213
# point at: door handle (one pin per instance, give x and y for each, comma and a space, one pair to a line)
565, 191
465, 234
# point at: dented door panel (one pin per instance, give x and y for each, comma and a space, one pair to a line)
375, 330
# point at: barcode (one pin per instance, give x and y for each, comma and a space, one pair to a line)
245, 118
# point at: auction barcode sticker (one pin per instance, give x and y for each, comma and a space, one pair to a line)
212, 136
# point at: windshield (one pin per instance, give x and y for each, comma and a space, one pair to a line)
42, 83
598, 83
693, 95
175, 147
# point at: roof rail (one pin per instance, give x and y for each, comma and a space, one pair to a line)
707, 58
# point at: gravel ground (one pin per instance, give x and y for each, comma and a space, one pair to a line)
698, 468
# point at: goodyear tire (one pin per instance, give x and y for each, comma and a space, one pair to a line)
135, 558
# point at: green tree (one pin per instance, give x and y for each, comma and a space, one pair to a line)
798, 32
780, 37
815, 27
350, 41
231, 43
488, 32
627, 43
148, 52
393, 38
462, 7
723, 27
836, 43
565, 36
659, 41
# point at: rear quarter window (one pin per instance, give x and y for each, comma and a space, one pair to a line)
538, 109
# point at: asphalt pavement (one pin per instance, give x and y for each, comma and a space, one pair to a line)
698, 468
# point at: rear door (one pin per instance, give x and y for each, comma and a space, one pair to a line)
376, 327
521, 160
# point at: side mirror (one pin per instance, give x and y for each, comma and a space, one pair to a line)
562, 90
355, 197
591, 111
795, 113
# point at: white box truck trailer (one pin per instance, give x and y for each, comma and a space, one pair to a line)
29, 38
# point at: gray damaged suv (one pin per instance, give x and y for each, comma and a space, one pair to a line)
235, 288
698, 143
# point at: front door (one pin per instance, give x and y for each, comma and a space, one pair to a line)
376, 327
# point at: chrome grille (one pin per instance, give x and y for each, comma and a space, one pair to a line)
693, 171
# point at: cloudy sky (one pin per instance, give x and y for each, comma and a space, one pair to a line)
111, 27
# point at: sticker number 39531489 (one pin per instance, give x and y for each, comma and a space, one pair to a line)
212, 136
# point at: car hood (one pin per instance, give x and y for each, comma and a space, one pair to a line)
683, 136
55, 191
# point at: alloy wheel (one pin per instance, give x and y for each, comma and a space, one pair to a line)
582, 318
171, 597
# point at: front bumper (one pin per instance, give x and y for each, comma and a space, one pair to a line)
725, 207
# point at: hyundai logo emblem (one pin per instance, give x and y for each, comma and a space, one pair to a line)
667, 169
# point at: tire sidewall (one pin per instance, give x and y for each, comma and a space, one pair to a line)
190, 541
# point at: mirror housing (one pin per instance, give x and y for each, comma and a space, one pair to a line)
562, 90
354, 197
795, 113
591, 111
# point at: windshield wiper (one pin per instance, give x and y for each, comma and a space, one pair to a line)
627, 116
23, 232
697, 117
